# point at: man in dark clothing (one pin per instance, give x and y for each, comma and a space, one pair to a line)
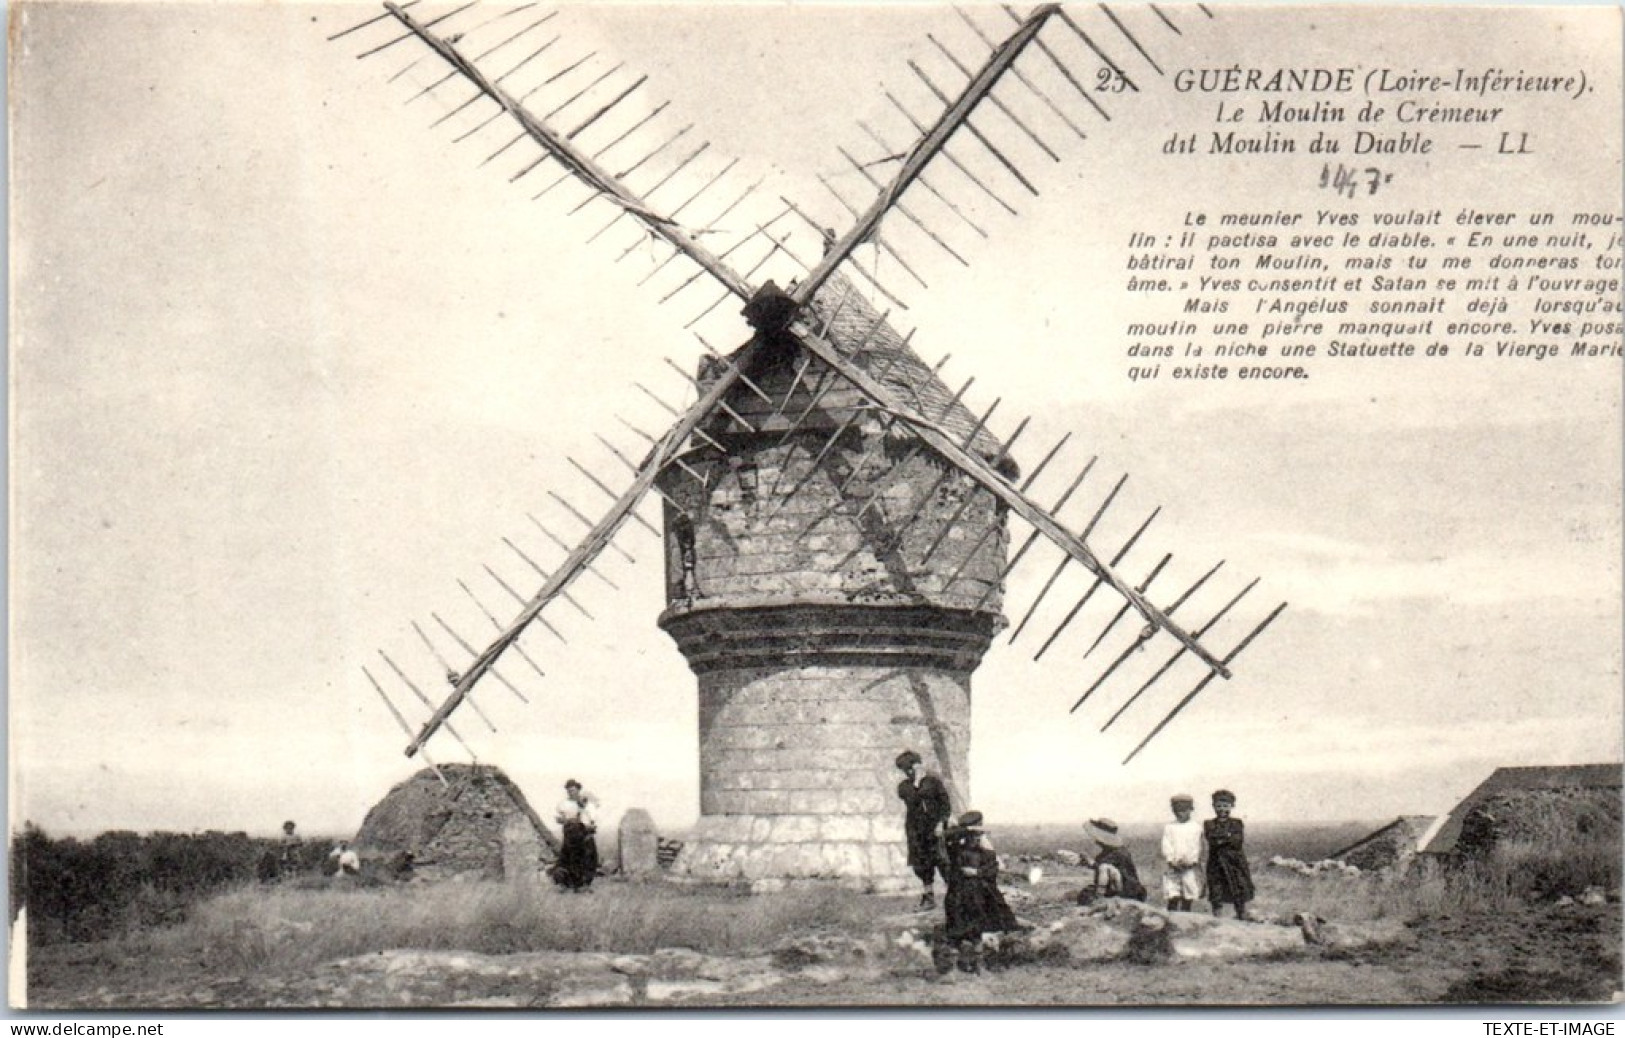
291, 849
925, 799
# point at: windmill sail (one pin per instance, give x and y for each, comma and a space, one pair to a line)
589, 548
805, 336
560, 147
954, 116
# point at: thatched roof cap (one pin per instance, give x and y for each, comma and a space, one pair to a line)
852, 325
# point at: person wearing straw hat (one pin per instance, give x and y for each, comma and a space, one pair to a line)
926, 813
973, 906
1115, 874
1229, 878
1182, 855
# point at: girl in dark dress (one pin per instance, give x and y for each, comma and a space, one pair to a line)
1229, 880
974, 905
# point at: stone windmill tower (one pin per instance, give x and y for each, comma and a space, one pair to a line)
835, 520
822, 638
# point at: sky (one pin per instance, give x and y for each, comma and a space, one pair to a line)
287, 363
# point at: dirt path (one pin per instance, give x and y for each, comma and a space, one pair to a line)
1445, 965
1537, 954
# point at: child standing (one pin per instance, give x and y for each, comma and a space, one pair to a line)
1182, 855
974, 906
926, 815
1229, 880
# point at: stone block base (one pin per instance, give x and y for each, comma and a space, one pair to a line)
777, 852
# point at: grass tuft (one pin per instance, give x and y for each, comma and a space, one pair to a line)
1538, 867
273, 928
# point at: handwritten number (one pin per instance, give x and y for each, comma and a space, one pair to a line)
1349, 181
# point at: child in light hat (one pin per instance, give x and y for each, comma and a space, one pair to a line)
1182, 855
1115, 874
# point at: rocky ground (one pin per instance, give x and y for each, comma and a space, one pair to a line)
1112, 953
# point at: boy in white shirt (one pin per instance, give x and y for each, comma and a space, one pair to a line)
1182, 856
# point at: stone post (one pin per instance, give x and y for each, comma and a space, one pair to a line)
639, 844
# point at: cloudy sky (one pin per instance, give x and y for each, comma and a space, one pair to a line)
287, 364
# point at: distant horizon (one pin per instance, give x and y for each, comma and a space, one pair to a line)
540, 797
287, 366
323, 833
993, 825
326, 832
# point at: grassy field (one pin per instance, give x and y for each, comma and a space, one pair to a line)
311, 921
293, 928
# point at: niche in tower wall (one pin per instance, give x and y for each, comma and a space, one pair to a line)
681, 580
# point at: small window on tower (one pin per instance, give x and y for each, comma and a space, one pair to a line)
746, 471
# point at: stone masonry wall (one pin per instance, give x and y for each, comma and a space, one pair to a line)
471, 840
821, 740
833, 606
797, 780
745, 540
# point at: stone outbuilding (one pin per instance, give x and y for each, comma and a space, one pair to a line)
476, 824
1392, 845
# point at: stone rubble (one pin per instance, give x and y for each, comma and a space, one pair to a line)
1324, 867
900, 947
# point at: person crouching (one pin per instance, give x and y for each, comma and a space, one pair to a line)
1115, 874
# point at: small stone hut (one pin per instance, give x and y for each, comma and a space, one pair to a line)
476, 824
1392, 845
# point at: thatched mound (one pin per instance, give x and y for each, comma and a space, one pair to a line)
1598, 782
472, 822
1555, 818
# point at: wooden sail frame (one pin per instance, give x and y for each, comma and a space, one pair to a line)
790, 306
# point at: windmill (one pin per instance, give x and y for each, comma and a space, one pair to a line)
835, 520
